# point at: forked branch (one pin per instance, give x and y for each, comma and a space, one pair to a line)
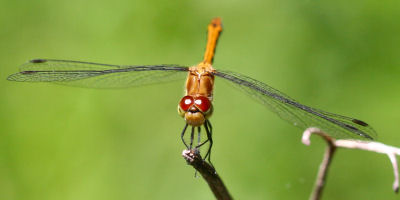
333, 144
208, 172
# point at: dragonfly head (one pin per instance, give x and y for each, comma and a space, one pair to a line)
195, 110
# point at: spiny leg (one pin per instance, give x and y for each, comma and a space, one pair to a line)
201, 143
198, 144
208, 127
191, 137
198, 135
182, 136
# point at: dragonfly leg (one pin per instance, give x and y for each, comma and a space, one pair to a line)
208, 127
191, 138
182, 136
199, 144
198, 136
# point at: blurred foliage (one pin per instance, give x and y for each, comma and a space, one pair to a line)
69, 143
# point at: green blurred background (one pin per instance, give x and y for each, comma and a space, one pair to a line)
67, 143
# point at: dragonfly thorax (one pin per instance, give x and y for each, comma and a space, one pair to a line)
195, 110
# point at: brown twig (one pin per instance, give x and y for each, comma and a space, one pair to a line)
350, 144
209, 174
323, 172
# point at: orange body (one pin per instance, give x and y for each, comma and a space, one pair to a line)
200, 80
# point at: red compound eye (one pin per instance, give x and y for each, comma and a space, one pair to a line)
186, 102
203, 103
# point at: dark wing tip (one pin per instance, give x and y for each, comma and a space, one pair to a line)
359, 132
28, 72
18, 76
21, 76
38, 61
359, 122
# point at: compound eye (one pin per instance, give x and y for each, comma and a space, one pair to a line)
186, 102
203, 103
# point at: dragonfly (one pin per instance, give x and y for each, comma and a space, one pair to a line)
196, 106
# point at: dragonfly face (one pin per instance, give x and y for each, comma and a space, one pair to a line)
195, 110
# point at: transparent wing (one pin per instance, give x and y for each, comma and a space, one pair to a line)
95, 75
300, 115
